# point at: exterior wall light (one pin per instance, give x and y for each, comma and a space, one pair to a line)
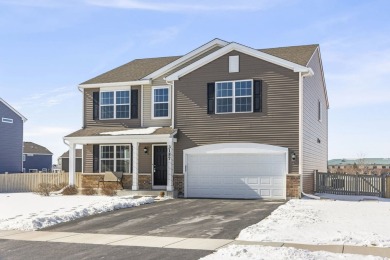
293, 156
145, 149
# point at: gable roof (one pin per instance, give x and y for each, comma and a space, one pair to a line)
13, 109
243, 49
79, 154
140, 69
30, 147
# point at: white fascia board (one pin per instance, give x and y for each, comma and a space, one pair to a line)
186, 57
125, 139
240, 48
117, 84
13, 109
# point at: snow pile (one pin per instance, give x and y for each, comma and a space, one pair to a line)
138, 131
363, 223
28, 211
279, 253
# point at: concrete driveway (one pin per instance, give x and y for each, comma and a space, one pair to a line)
190, 218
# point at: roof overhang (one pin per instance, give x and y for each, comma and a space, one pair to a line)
117, 84
119, 139
186, 57
244, 49
13, 109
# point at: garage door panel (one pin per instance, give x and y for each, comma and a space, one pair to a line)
236, 176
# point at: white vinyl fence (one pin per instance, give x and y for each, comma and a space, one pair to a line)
28, 182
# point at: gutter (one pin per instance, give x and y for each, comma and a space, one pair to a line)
301, 76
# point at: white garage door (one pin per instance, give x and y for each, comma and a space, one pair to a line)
236, 175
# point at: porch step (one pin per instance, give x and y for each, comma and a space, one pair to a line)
153, 193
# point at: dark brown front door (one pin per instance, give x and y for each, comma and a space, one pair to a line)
160, 166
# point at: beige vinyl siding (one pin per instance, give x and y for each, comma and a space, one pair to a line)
88, 112
315, 155
88, 158
147, 112
278, 124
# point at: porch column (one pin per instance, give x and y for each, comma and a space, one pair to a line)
135, 146
72, 155
170, 167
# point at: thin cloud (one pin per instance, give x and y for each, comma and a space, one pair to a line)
165, 35
179, 6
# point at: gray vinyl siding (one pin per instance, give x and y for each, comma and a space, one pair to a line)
147, 110
315, 155
88, 158
11, 141
277, 125
88, 112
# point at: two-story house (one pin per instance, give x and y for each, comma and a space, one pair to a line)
36, 158
11, 138
223, 121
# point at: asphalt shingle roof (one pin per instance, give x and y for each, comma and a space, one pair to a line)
79, 154
30, 147
139, 68
96, 131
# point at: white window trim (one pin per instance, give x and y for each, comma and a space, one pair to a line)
100, 104
114, 159
7, 120
233, 97
169, 102
319, 111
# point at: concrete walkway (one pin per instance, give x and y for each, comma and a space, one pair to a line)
175, 242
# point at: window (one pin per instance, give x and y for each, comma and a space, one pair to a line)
319, 111
115, 104
24, 157
115, 158
234, 96
160, 104
7, 120
234, 64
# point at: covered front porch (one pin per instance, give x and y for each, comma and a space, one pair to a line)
144, 155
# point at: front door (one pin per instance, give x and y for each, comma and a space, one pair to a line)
160, 166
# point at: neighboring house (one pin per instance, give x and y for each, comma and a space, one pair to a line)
63, 161
224, 121
36, 158
361, 165
11, 138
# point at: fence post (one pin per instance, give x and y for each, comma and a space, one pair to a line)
357, 184
383, 185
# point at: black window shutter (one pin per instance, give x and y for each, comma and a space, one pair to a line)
134, 103
211, 98
257, 96
96, 105
96, 151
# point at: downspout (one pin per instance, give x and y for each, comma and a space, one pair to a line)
300, 167
172, 83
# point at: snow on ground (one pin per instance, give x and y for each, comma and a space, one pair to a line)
29, 211
278, 253
304, 221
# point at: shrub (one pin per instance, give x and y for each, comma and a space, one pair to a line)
44, 189
60, 186
109, 191
70, 190
88, 191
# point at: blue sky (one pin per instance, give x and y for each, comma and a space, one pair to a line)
48, 47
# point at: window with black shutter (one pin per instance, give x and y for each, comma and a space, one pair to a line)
257, 96
95, 156
95, 96
134, 103
211, 98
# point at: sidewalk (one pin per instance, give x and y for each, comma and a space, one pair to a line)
175, 242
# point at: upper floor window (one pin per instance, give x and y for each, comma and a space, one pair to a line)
115, 104
7, 120
234, 96
160, 102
